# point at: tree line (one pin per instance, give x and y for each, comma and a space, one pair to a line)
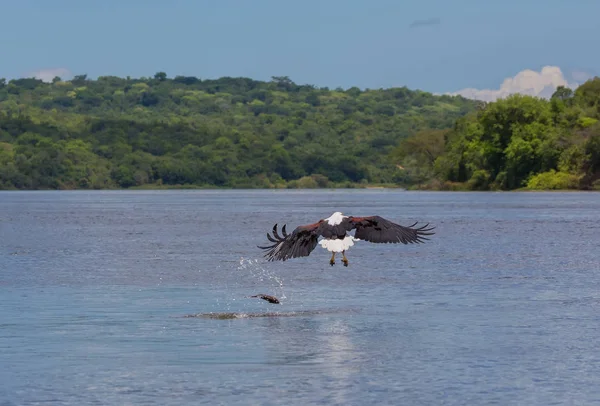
520, 142
230, 132
185, 131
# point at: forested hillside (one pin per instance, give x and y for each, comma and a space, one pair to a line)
232, 132
517, 142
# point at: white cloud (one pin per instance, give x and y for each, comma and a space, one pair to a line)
48, 74
527, 82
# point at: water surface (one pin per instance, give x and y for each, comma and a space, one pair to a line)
140, 297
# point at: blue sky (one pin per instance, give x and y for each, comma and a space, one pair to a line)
369, 44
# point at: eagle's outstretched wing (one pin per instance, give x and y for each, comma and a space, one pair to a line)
376, 229
300, 243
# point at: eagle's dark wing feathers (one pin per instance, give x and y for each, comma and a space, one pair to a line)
300, 243
376, 229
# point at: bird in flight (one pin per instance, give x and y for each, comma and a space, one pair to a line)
335, 238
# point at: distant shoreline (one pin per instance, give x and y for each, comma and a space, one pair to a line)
353, 187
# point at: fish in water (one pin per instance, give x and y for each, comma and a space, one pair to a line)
268, 298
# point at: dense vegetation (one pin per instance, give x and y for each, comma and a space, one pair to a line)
236, 132
232, 132
517, 142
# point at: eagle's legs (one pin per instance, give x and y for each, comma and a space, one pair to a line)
344, 259
332, 260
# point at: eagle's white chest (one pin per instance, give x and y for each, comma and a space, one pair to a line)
335, 219
338, 245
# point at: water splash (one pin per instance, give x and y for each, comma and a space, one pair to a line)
260, 275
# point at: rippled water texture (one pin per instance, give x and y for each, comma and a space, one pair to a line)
120, 297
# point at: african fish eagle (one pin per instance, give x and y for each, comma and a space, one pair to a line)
334, 230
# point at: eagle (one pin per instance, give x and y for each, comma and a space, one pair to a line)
335, 238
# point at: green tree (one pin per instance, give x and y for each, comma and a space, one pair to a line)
160, 76
562, 93
225, 132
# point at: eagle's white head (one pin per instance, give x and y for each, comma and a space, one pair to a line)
335, 219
